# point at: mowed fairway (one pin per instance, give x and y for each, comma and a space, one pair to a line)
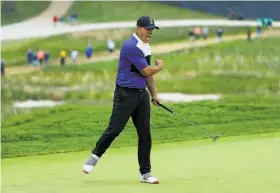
244, 164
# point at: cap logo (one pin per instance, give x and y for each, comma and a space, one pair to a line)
151, 21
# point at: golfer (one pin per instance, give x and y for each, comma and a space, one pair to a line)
131, 98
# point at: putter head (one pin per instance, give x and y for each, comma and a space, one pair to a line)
215, 138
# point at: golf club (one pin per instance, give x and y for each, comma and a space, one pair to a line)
214, 138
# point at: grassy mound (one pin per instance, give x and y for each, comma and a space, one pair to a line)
123, 11
77, 128
17, 11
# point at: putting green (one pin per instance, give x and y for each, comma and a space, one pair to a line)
233, 165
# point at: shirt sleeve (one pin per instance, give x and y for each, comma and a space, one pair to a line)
136, 57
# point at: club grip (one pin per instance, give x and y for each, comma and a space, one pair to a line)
163, 106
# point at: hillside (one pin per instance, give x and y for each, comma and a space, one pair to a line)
17, 11
123, 11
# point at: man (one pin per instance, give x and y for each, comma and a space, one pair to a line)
2, 67
110, 45
88, 51
249, 33
35, 59
219, 34
132, 99
197, 32
259, 28
47, 57
205, 32
29, 56
62, 57
73, 18
74, 55
55, 20
191, 34
41, 56
269, 22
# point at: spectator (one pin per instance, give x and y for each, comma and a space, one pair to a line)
269, 22
259, 29
73, 18
61, 19
219, 34
47, 58
249, 33
230, 14
265, 22
35, 59
197, 32
74, 55
111, 45
205, 32
55, 20
89, 51
40, 56
29, 56
2, 67
62, 57
191, 34
259, 21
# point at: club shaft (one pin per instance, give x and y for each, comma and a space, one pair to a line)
185, 120
192, 124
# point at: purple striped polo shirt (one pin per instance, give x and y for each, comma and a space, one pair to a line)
135, 55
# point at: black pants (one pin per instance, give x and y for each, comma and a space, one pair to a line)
205, 36
134, 103
62, 61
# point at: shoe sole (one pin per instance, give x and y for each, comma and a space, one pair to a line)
143, 181
85, 172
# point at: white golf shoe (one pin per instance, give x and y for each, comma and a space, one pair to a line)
148, 178
87, 168
90, 164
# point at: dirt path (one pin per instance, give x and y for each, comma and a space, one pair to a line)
156, 49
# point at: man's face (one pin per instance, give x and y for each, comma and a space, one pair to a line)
144, 34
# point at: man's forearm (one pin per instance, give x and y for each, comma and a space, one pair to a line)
151, 85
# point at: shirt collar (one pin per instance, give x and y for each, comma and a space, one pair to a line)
138, 39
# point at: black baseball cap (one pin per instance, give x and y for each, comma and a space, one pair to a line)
146, 22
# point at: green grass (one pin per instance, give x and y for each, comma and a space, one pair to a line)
75, 128
236, 164
124, 11
21, 11
250, 86
15, 53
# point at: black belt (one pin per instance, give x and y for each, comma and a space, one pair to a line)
136, 89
